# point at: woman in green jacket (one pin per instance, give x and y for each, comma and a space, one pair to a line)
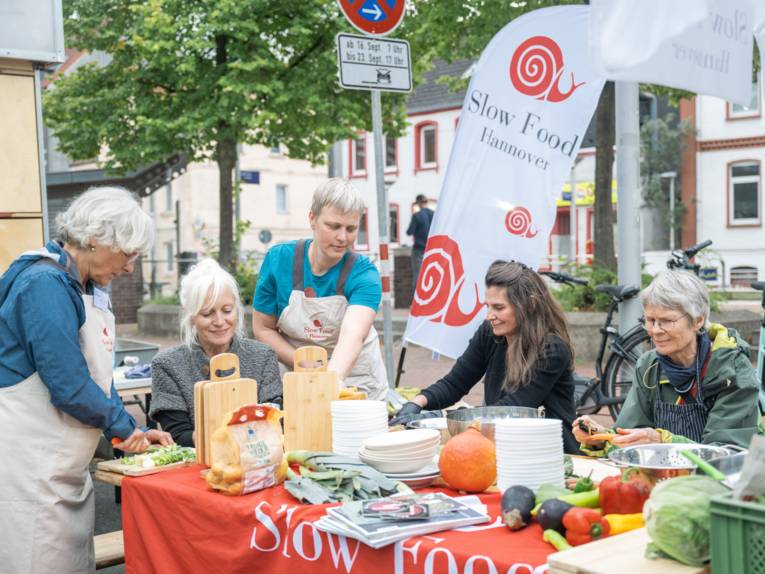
666, 402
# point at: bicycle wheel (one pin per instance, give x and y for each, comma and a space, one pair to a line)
620, 368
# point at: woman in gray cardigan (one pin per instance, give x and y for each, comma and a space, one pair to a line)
211, 324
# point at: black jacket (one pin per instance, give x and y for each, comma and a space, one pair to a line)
551, 386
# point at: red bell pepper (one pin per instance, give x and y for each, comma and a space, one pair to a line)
584, 525
624, 494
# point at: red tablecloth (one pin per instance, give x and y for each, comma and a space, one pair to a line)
172, 524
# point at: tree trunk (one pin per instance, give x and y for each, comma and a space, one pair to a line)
603, 233
226, 158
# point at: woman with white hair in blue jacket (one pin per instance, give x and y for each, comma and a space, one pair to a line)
56, 392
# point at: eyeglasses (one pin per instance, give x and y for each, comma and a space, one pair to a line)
662, 324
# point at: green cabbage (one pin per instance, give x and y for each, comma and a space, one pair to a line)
677, 517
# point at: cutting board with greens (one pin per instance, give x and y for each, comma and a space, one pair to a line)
156, 459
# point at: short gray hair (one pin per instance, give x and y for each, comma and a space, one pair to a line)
109, 216
337, 192
679, 291
202, 287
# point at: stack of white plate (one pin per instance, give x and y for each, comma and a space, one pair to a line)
355, 421
423, 477
403, 452
529, 452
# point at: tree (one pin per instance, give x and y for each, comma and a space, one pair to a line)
198, 77
605, 129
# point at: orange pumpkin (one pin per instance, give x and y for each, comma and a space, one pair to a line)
468, 462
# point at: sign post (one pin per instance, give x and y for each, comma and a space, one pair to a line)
377, 65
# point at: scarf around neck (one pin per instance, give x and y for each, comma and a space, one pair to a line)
681, 378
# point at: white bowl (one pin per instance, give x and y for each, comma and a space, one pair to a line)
403, 439
393, 457
399, 467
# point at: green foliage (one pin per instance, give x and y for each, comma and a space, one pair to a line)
585, 298
164, 300
245, 269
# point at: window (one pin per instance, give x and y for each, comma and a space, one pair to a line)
752, 109
152, 203
362, 239
276, 149
743, 276
426, 142
394, 236
358, 156
744, 193
391, 153
168, 197
281, 199
169, 256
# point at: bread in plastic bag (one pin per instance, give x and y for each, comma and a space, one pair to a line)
248, 451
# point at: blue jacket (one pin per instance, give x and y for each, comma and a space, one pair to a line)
41, 312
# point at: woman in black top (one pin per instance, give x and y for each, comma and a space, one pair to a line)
522, 351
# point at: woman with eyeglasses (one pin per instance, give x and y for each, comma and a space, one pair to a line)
697, 383
522, 351
56, 392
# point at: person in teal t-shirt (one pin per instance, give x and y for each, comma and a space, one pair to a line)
320, 292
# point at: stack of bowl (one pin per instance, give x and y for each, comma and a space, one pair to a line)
355, 421
529, 453
401, 452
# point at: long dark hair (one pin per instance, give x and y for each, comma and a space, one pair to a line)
537, 317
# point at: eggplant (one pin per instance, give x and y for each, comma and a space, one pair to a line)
517, 502
551, 514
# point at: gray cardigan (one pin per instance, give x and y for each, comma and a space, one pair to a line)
174, 372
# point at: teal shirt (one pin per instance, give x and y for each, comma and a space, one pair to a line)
272, 293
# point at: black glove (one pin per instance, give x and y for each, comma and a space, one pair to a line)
407, 413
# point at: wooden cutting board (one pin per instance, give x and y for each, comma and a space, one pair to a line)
214, 399
621, 554
133, 470
308, 394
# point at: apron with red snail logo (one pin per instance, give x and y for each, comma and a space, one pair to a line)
317, 320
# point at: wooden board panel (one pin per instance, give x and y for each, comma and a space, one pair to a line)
109, 549
19, 159
622, 554
17, 236
133, 470
199, 412
307, 410
220, 398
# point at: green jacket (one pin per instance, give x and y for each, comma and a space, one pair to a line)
729, 387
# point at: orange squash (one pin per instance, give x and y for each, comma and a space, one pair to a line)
468, 462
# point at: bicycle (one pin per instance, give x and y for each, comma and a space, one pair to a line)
624, 350
760, 286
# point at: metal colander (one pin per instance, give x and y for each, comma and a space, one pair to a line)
664, 456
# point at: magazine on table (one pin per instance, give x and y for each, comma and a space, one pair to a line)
384, 521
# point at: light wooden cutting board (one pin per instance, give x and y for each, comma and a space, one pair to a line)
223, 393
621, 554
134, 470
308, 395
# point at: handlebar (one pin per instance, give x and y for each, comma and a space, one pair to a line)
563, 278
681, 259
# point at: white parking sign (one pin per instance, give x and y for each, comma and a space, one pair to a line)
374, 63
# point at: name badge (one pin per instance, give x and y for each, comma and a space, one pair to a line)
100, 299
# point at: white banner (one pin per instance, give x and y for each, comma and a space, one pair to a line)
704, 46
529, 102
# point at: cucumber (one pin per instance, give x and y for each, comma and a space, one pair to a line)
517, 502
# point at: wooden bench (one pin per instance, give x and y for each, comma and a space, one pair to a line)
110, 549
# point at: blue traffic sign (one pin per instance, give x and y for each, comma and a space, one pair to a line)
250, 177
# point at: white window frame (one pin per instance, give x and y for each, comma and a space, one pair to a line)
286, 207
732, 181
391, 168
169, 256
358, 171
428, 164
746, 112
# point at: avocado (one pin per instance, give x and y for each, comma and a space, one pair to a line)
517, 502
551, 514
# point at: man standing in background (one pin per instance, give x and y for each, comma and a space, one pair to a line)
419, 227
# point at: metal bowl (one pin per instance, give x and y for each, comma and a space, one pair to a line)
484, 418
438, 424
661, 461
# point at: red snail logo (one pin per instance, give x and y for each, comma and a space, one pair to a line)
441, 280
518, 222
536, 69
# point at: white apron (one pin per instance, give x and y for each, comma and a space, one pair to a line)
47, 506
317, 321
